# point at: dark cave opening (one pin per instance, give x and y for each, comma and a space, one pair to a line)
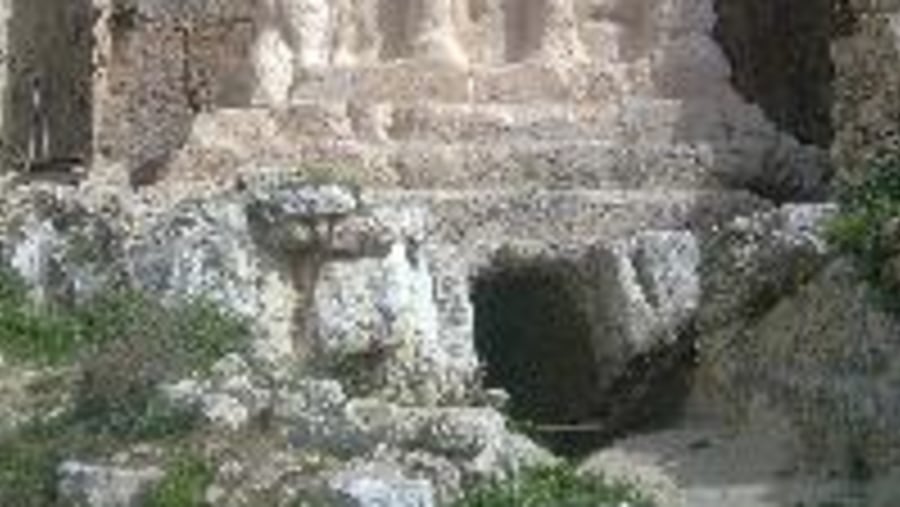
780, 53
534, 335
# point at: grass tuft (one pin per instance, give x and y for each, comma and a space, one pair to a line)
558, 486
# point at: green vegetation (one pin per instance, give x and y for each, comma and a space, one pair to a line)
559, 486
184, 484
29, 332
120, 346
870, 209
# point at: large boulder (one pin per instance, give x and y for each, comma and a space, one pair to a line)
88, 485
374, 486
649, 289
826, 357
750, 262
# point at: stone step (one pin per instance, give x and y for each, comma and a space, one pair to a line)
552, 220
409, 81
418, 164
631, 120
527, 81
635, 119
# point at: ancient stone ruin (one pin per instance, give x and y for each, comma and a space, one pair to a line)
601, 219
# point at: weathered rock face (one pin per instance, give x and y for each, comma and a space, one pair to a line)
105, 486
787, 328
866, 53
632, 95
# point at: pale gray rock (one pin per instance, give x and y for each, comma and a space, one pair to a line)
288, 202
358, 427
228, 397
201, 248
224, 411
374, 304
309, 396
752, 261
648, 289
380, 486
88, 485
463, 432
65, 251
205, 248
825, 356
478, 440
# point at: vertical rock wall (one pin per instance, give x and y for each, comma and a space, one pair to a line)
161, 63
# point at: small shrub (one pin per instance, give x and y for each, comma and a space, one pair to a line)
184, 484
124, 344
32, 333
28, 470
29, 460
867, 207
139, 343
558, 486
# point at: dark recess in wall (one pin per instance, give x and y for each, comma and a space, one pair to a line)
50, 61
534, 338
780, 55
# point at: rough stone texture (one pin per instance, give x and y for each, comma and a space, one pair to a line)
825, 358
866, 53
753, 261
373, 486
569, 93
65, 249
105, 486
785, 328
649, 290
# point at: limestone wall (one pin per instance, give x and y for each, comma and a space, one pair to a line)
163, 64
866, 54
410, 93
159, 64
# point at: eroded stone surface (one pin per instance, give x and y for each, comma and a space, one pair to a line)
105, 486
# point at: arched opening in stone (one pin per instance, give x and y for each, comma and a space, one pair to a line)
781, 60
397, 25
535, 334
523, 28
49, 109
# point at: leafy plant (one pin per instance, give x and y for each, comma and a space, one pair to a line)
184, 484
559, 486
868, 208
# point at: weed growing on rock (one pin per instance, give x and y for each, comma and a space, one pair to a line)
868, 226
29, 332
553, 487
184, 484
29, 459
121, 345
